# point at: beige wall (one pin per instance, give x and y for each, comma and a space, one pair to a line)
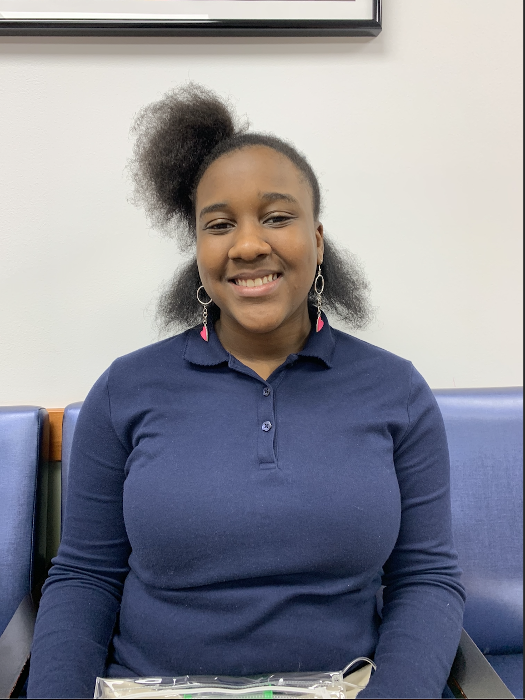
416, 137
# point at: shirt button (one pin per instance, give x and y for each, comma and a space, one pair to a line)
266, 391
266, 426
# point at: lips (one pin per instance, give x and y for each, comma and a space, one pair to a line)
257, 284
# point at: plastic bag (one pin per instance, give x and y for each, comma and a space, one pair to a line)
275, 685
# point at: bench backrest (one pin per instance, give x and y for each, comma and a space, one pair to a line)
24, 436
484, 431
68, 428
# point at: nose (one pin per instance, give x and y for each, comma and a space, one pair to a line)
249, 242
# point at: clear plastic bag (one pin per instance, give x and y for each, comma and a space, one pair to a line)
275, 685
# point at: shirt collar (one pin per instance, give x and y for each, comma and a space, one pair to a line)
319, 346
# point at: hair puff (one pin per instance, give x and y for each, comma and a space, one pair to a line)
174, 136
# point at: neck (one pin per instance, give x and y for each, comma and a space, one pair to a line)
264, 352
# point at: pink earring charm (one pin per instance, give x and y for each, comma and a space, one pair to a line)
318, 289
204, 332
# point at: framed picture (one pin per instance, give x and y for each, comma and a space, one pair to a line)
190, 17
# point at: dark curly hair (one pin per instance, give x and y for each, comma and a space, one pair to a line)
177, 139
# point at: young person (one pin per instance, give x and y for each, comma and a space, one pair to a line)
239, 493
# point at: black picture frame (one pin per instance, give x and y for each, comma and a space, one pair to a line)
366, 21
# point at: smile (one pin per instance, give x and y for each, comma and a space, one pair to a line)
256, 286
257, 282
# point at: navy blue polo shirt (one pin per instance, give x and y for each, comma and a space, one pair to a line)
218, 523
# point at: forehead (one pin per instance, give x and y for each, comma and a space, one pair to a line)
248, 170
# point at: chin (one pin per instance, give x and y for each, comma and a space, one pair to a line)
257, 323
258, 327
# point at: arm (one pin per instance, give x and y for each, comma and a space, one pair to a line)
81, 597
423, 598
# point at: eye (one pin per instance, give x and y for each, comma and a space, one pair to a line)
278, 219
218, 226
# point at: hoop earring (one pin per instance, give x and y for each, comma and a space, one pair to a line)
318, 289
205, 304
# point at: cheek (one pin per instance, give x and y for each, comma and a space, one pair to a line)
209, 259
303, 255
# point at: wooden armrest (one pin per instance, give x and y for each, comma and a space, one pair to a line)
56, 416
472, 676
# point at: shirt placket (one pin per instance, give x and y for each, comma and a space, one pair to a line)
266, 420
266, 428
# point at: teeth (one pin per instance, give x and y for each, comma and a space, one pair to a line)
258, 282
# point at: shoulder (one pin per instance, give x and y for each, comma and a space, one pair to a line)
387, 372
384, 378
148, 362
362, 355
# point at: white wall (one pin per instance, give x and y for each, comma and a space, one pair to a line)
416, 137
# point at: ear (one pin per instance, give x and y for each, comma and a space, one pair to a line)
319, 237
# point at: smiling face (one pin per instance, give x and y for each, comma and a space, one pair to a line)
258, 244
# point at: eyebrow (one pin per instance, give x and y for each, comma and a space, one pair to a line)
211, 208
265, 196
274, 196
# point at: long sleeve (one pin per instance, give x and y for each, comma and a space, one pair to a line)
217, 523
423, 598
81, 596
